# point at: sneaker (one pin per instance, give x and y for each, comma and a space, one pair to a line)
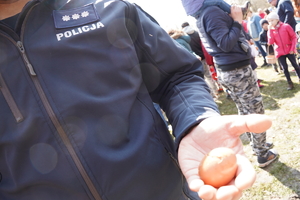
271, 156
290, 85
259, 85
228, 97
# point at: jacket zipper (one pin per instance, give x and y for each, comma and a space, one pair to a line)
60, 130
28, 65
10, 100
63, 135
56, 123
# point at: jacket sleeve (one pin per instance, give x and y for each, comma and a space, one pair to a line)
271, 37
292, 36
224, 36
187, 38
208, 58
257, 24
288, 10
172, 76
262, 39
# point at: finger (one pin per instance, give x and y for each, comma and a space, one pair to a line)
227, 192
236, 8
246, 174
238, 196
195, 184
255, 123
207, 192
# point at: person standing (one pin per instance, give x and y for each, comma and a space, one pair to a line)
285, 11
285, 39
182, 39
223, 38
199, 50
254, 29
263, 39
261, 13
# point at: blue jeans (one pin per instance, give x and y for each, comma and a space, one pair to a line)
261, 50
220, 3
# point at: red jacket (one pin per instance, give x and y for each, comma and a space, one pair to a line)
284, 39
208, 58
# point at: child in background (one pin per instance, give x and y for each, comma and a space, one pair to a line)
285, 40
254, 29
194, 7
263, 39
297, 29
254, 53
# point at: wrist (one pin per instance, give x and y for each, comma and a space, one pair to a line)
237, 24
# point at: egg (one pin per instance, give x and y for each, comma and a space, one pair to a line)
218, 167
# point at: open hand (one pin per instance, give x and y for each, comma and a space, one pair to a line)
220, 131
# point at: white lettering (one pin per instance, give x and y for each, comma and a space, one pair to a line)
99, 25
74, 32
93, 27
79, 30
59, 36
85, 28
68, 34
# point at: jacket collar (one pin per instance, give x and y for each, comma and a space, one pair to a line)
65, 4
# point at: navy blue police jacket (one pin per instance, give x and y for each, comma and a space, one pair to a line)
78, 80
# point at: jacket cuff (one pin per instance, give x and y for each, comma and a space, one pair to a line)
237, 24
192, 124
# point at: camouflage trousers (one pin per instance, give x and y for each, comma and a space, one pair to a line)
244, 91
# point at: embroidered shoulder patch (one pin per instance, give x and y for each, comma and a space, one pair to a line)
75, 17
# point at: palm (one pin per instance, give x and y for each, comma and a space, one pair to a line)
221, 131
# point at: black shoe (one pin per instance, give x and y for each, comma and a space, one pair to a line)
245, 9
264, 161
265, 64
291, 85
228, 96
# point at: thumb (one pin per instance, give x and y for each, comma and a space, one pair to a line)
255, 123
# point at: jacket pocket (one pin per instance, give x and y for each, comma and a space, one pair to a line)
10, 101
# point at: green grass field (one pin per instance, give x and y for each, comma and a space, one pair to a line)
280, 180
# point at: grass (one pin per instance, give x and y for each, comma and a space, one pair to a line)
280, 180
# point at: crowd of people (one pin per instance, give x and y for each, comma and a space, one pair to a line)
269, 32
256, 27
81, 83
